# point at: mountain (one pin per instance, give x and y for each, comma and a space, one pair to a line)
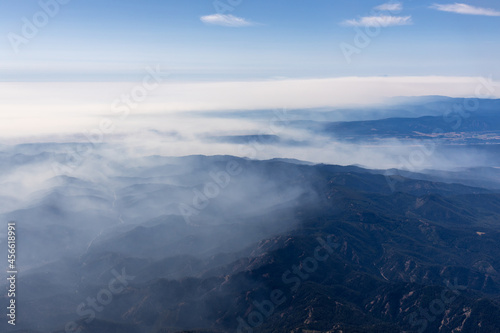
284, 246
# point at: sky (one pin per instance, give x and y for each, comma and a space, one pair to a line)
104, 40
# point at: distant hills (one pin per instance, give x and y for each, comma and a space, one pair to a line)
456, 122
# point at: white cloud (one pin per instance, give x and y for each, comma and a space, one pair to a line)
379, 21
461, 8
226, 20
390, 7
20, 101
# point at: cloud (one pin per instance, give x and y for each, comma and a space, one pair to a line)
390, 7
225, 20
461, 8
379, 21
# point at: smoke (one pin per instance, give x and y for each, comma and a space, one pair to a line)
175, 195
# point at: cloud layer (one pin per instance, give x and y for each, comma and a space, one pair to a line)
379, 21
41, 108
226, 20
461, 8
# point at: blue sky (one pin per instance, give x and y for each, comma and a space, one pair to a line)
101, 40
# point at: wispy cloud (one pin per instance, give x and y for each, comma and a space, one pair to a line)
462, 8
379, 21
390, 7
226, 20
